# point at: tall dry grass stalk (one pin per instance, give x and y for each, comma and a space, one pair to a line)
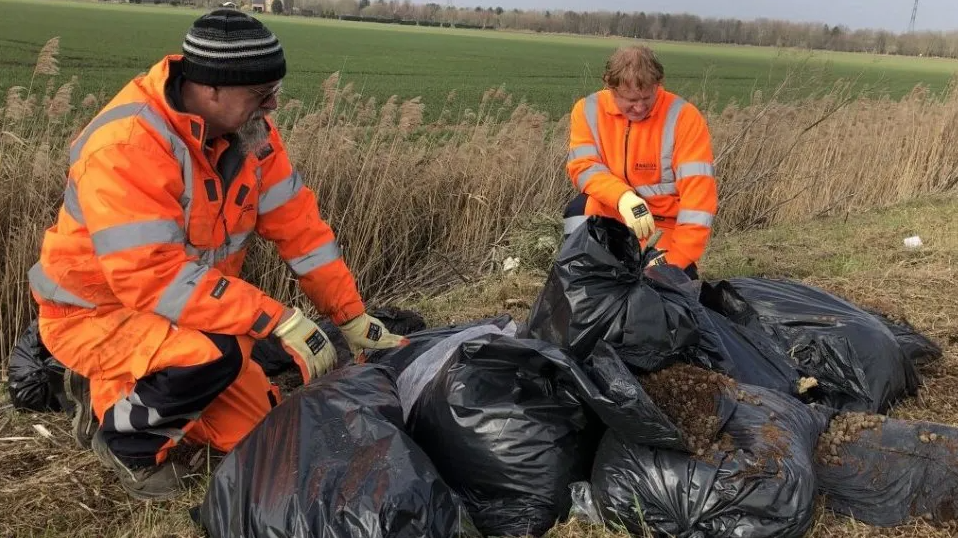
419, 204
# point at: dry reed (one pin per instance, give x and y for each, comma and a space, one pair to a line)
421, 204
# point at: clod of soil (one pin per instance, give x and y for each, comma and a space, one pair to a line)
689, 396
806, 383
844, 428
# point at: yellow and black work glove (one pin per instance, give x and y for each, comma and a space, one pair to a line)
366, 332
637, 215
308, 344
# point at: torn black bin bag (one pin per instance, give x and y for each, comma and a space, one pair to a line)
765, 487
597, 290
856, 359
884, 471
618, 399
507, 431
333, 461
35, 376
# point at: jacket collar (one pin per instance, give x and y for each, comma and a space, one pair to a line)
162, 88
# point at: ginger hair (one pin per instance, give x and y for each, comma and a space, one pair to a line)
635, 64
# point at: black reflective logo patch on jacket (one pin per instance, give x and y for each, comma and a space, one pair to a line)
241, 195
210, 185
220, 288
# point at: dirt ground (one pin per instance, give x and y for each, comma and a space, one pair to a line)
48, 487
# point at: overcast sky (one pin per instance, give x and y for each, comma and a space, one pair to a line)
891, 15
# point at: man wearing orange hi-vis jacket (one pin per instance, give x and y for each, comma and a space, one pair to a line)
643, 155
138, 282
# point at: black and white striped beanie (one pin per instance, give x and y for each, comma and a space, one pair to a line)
227, 47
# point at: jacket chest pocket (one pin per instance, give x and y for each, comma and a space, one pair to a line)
205, 229
242, 207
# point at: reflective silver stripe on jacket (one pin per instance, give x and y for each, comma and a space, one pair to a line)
591, 111
691, 216
319, 257
136, 234
694, 168
666, 174
237, 242
71, 202
146, 113
178, 292
133, 235
280, 193
48, 289
586, 150
587, 174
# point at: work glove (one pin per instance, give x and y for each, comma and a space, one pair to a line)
658, 260
636, 214
366, 332
308, 344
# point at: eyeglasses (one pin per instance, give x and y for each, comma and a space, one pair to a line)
268, 93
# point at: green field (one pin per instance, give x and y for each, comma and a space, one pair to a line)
108, 43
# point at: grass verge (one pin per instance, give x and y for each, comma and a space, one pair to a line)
50, 488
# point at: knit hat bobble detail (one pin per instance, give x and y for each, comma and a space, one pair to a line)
227, 47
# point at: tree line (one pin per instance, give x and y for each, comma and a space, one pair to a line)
644, 25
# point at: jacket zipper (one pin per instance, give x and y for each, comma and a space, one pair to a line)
220, 215
625, 159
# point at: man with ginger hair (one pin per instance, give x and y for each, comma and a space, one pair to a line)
643, 155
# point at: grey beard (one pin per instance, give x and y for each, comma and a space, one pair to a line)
253, 134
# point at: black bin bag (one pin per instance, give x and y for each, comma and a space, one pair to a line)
333, 461
759, 482
597, 290
917, 347
600, 289
35, 376
505, 425
749, 355
856, 360
884, 471
438, 342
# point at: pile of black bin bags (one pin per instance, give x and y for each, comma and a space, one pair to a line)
492, 428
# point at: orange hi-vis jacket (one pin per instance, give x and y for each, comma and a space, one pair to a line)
150, 223
666, 159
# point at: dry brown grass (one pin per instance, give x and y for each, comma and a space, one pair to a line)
419, 205
423, 205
